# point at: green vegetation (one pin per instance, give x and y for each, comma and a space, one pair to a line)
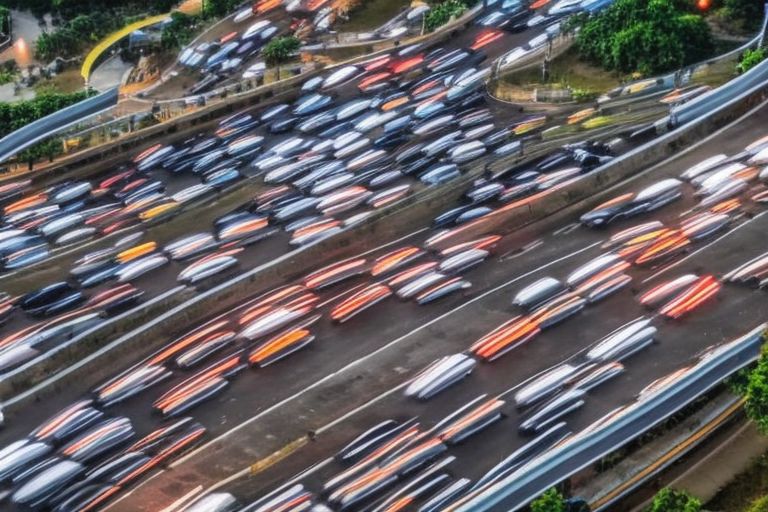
759, 505
748, 14
671, 500
15, 115
68, 9
441, 13
5, 20
49, 149
646, 36
219, 8
180, 31
750, 59
755, 391
9, 70
550, 501
280, 50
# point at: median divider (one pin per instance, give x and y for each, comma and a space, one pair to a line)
45, 371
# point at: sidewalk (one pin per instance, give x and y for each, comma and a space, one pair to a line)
716, 469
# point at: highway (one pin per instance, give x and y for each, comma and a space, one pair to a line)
158, 281
353, 375
375, 356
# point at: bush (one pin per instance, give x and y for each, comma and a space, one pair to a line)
756, 392
670, 500
750, 59
748, 13
179, 31
550, 501
647, 36
759, 505
441, 13
16, 115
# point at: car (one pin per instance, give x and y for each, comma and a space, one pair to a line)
439, 375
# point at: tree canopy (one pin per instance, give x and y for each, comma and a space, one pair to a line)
550, 501
441, 13
648, 36
179, 31
671, 500
218, 8
279, 50
755, 391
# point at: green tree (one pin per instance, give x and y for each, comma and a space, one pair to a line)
750, 59
748, 13
279, 50
179, 31
649, 36
759, 505
550, 501
219, 8
671, 500
5, 20
441, 13
756, 392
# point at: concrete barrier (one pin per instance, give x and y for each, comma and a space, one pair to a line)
22, 382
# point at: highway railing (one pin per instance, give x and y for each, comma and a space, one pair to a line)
616, 428
55, 123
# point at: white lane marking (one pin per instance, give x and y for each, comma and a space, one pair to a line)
516, 253
364, 359
339, 295
296, 395
697, 251
184, 500
393, 242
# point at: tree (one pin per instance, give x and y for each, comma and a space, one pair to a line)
441, 13
550, 501
279, 50
756, 392
179, 31
671, 500
219, 8
749, 13
649, 36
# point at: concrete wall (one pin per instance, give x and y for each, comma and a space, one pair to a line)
20, 381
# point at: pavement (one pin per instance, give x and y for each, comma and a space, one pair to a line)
723, 463
340, 392
109, 73
353, 374
26, 29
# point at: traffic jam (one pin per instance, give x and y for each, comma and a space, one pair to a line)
360, 138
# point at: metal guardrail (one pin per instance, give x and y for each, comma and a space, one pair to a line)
55, 123
516, 490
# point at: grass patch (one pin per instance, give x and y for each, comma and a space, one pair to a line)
371, 14
744, 490
567, 70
